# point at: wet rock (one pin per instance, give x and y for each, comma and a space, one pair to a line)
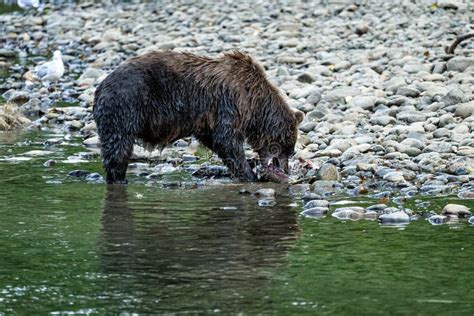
348, 213
212, 171
50, 163
437, 219
467, 194
93, 142
395, 218
38, 153
471, 220
94, 177
371, 215
377, 207
456, 209
267, 202
268, 192
82, 174
315, 212
316, 203
299, 189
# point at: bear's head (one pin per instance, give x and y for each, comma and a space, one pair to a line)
279, 148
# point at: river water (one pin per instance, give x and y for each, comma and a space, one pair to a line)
71, 246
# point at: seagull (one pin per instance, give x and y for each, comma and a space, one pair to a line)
27, 4
51, 71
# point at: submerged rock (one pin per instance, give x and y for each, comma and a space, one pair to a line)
315, 212
399, 217
79, 174
437, 219
316, 203
347, 213
266, 202
269, 192
471, 220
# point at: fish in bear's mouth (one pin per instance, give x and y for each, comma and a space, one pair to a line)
274, 169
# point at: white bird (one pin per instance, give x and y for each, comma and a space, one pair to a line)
27, 4
51, 71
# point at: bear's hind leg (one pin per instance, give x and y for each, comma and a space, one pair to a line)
116, 152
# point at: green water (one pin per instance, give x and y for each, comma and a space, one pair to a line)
68, 246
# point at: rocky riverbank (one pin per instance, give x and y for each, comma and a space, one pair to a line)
386, 109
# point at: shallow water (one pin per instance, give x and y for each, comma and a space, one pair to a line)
71, 246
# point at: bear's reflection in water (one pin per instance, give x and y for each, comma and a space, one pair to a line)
173, 249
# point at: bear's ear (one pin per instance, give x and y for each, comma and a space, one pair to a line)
299, 116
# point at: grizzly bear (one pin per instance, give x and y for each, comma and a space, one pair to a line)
163, 96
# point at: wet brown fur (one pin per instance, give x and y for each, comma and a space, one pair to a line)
163, 96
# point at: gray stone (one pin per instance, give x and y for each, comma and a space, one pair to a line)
314, 97
450, 4
465, 109
298, 189
267, 202
315, 212
399, 217
38, 153
92, 142
316, 203
471, 220
395, 176
267, 192
361, 29
412, 142
408, 91
340, 94
446, 119
307, 127
394, 83
92, 73
437, 219
305, 78
459, 63
382, 120
454, 96
363, 101
328, 172
348, 213
441, 147
456, 209
411, 117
